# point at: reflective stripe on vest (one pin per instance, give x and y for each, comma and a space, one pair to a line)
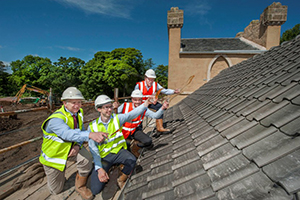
130, 127
115, 142
147, 93
55, 150
54, 138
53, 160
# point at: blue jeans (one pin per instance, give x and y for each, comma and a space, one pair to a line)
156, 107
122, 157
144, 139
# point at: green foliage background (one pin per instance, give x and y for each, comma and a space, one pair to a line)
121, 68
290, 34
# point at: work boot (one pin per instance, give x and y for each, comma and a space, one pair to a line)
122, 180
80, 187
160, 128
134, 148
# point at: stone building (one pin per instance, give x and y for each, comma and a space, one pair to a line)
206, 57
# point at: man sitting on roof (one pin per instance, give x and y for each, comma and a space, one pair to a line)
63, 136
114, 149
149, 87
132, 129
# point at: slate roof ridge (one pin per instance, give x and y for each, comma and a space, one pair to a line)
237, 136
252, 43
220, 38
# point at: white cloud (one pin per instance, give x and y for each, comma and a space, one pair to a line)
115, 8
69, 48
6, 63
197, 8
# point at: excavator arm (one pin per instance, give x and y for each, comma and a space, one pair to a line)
28, 87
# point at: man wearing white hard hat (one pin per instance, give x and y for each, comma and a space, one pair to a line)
63, 136
132, 129
114, 149
149, 87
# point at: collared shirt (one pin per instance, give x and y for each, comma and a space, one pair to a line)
122, 119
149, 113
62, 130
163, 91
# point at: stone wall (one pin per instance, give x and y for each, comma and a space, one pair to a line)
257, 31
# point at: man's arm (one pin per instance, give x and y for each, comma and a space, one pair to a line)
120, 108
167, 91
95, 153
157, 114
136, 87
154, 115
61, 129
134, 113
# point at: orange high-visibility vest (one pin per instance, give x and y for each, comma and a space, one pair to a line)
147, 93
130, 127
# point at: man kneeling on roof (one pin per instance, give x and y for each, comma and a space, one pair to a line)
133, 129
63, 136
114, 149
149, 87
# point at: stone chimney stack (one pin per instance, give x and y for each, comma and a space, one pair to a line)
175, 18
271, 20
266, 31
175, 23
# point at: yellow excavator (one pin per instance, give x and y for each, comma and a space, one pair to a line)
43, 100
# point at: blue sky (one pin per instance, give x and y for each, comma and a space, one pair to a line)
80, 28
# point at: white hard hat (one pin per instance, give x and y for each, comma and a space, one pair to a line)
137, 93
72, 93
102, 100
150, 73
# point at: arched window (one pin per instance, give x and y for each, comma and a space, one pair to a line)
218, 63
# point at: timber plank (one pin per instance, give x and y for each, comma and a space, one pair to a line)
41, 189
68, 187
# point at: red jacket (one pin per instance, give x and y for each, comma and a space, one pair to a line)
147, 93
130, 127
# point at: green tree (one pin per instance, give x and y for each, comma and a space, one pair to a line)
130, 56
121, 68
92, 76
148, 64
27, 71
67, 73
120, 75
4, 81
290, 34
162, 75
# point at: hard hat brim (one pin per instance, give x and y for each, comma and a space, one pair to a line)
151, 76
80, 98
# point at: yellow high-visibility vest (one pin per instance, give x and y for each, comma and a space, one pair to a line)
114, 142
55, 150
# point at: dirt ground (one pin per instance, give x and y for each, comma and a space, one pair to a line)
23, 127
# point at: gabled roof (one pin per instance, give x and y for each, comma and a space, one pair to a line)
210, 45
236, 137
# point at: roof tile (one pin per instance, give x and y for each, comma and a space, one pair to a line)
237, 136
267, 151
256, 186
286, 171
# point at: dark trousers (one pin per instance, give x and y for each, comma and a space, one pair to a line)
122, 157
142, 137
156, 107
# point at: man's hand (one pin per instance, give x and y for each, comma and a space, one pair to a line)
102, 175
98, 136
165, 105
147, 102
116, 104
74, 151
177, 91
154, 101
